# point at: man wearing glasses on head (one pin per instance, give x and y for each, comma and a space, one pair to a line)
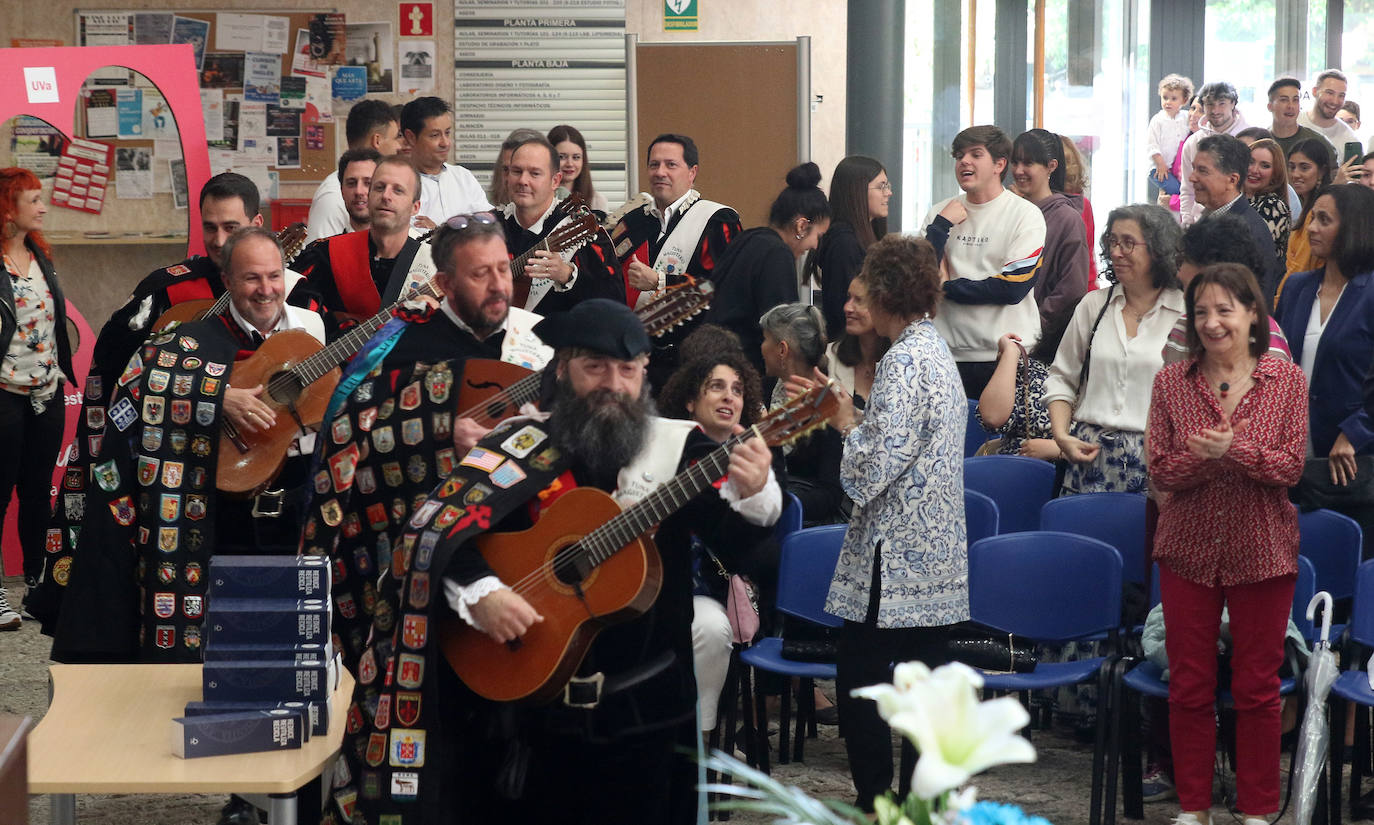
552, 281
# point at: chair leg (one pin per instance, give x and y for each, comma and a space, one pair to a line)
1132, 776
1337, 708
761, 725
806, 713
1100, 742
1360, 755
784, 721
1109, 704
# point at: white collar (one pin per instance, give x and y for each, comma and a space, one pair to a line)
677, 207
461, 324
509, 211
283, 323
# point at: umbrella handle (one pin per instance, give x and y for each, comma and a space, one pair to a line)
1324, 598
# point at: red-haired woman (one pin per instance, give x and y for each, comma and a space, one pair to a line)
38, 357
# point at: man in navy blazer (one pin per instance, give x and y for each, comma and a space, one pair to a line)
1218, 169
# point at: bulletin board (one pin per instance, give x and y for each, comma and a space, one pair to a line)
315, 163
747, 142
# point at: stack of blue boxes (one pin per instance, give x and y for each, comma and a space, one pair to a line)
269, 666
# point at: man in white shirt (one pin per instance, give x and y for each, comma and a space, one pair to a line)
446, 189
1327, 97
371, 124
989, 241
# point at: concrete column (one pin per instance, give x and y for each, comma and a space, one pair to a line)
874, 87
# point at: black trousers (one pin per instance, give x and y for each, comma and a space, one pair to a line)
865, 656
27, 466
975, 375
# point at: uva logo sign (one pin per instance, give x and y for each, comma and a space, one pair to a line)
40, 83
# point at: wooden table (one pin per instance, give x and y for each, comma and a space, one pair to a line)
109, 730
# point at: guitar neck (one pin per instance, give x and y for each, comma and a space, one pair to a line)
668, 498
220, 305
517, 264
316, 366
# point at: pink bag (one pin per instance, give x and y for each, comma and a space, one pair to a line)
741, 610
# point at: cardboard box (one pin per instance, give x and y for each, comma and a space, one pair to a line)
273, 622
269, 577
246, 732
265, 681
318, 711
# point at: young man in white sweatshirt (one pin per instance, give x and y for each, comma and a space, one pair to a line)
989, 241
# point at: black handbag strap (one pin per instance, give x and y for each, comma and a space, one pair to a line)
1088, 353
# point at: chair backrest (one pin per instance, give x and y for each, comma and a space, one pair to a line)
1362, 616
980, 514
1018, 484
1116, 518
791, 519
1047, 586
805, 569
1332, 541
1303, 592
974, 434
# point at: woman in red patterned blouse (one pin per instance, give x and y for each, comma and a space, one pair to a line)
1225, 441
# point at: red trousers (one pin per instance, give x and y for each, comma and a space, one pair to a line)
1259, 618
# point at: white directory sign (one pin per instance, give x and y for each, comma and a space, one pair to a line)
537, 64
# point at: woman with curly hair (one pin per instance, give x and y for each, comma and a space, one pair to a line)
902, 575
38, 358
721, 393
1111, 352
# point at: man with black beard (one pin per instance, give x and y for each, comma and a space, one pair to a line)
420, 745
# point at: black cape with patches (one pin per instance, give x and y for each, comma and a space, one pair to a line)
136, 577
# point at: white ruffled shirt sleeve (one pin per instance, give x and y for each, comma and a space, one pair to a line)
462, 597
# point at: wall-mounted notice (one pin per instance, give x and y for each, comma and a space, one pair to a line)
538, 64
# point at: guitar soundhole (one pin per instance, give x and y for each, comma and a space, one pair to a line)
571, 566
284, 388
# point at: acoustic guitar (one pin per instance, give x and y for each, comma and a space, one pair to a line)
587, 564
492, 391
292, 241
298, 376
581, 226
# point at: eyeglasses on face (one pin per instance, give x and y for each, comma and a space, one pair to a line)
1125, 242
884, 187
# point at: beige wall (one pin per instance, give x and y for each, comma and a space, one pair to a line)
98, 277
825, 21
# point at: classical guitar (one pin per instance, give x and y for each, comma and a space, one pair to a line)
298, 375
587, 564
492, 391
292, 241
571, 236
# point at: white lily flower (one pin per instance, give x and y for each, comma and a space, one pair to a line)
957, 736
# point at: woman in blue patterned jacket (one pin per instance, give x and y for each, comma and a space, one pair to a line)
902, 576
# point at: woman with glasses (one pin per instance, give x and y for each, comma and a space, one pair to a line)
859, 194
38, 358
1111, 352
758, 270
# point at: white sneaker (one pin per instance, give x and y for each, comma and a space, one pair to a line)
1191, 819
9, 620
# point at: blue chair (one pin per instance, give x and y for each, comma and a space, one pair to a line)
1352, 686
974, 434
791, 519
1332, 542
805, 569
1018, 484
1050, 587
980, 514
1145, 680
1116, 518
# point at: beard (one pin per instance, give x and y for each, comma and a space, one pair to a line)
602, 431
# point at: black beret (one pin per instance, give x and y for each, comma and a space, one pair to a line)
601, 325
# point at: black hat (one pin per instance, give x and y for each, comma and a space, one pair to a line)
601, 325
